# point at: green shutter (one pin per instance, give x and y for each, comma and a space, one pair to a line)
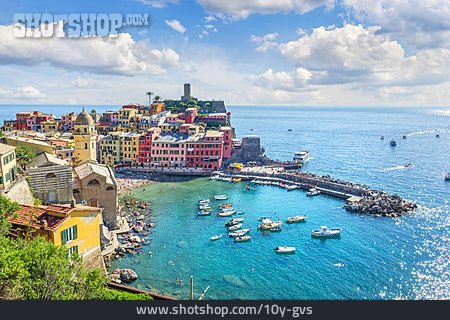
64, 236
75, 232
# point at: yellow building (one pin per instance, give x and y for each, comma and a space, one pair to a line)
49, 126
85, 138
125, 114
130, 148
38, 146
8, 165
77, 227
110, 148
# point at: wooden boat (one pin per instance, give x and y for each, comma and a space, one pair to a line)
284, 250
226, 206
242, 239
214, 238
296, 219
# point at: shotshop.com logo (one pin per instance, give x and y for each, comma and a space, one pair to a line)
74, 25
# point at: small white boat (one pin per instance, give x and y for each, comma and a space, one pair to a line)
205, 208
214, 238
220, 197
235, 227
326, 232
301, 156
291, 187
284, 250
312, 192
242, 239
238, 233
227, 213
268, 224
296, 219
234, 221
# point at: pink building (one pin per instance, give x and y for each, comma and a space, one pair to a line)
68, 121
169, 150
227, 137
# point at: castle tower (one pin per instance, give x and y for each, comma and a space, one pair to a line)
85, 137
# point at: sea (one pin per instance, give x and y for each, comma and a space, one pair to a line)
375, 257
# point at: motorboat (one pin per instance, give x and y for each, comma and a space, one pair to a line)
247, 188
204, 213
267, 224
242, 239
393, 143
285, 250
226, 206
226, 213
263, 218
291, 187
235, 227
205, 207
409, 165
296, 219
128, 275
447, 177
325, 232
236, 180
220, 197
404, 137
214, 238
238, 233
275, 229
140, 217
234, 221
382, 138
301, 156
312, 192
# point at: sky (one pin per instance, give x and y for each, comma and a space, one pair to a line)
246, 52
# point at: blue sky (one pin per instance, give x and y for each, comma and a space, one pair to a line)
253, 52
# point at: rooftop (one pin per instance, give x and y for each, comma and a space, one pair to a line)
5, 148
85, 169
45, 159
171, 138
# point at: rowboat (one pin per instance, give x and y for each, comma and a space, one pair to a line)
214, 238
226, 213
325, 232
296, 219
242, 239
204, 207
284, 250
226, 206
220, 197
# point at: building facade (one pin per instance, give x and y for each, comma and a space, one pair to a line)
85, 138
8, 166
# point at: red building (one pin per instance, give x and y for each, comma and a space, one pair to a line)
32, 120
227, 136
145, 146
189, 115
21, 118
205, 150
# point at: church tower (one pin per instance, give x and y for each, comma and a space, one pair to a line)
85, 137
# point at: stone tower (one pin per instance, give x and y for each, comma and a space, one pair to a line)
85, 136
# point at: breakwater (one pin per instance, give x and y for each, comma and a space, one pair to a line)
359, 198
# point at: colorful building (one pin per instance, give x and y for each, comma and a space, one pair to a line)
85, 137
130, 148
157, 107
68, 121
8, 165
145, 146
228, 135
76, 227
169, 150
205, 150
110, 149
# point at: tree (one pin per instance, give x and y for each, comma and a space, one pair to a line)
24, 154
157, 98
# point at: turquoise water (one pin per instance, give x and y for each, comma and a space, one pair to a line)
376, 258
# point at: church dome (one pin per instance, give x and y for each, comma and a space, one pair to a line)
84, 119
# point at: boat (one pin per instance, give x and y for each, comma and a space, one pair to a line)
214, 238
247, 188
204, 207
240, 212
284, 250
226, 206
404, 137
234, 221
238, 233
220, 197
263, 218
242, 239
438, 136
227, 213
289, 129
140, 217
128, 275
275, 229
447, 177
325, 232
312, 192
236, 180
393, 143
291, 187
409, 165
203, 213
296, 219
268, 224
235, 227
301, 156
138, 227
382, 138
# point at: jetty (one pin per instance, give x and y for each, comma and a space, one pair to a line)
358, 198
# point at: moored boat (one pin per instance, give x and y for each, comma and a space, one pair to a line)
220, 197
234, 221
242, 239
291, 187
235, 227
285, 249
238, 233
204, 213
301, 156
325, 232
214, 238
275, 229
226, 206
296, 219
227, 213
312, 192
267, 224
393, 143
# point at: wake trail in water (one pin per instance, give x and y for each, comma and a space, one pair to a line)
432, 131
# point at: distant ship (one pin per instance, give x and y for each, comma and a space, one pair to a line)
301, 156
393, 143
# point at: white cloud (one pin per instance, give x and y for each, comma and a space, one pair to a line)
265, 42
286, 81
176, 25
22, 93
158, 3
104, 55
209, 19
423, 24
238, 9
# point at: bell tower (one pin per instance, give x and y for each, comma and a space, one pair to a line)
85, 137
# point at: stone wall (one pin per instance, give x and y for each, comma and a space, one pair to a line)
250, 150
52, 184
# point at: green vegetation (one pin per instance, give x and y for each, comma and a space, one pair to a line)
24, 154
157, 98
38, 270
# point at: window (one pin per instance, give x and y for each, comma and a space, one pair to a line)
93, 182
73, 250
109, 188
69, 234
50, 175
